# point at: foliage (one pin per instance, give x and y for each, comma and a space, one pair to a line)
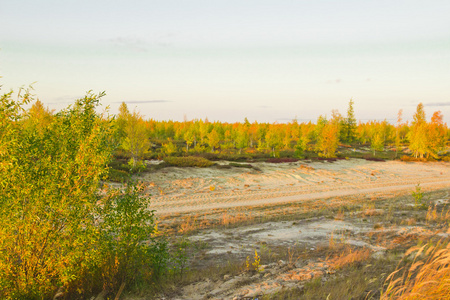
135, 140
169, 148
179, 257
213, 139
328, 141
136, 166
130, 251
350, 124
273, 138
237, 165
377, 143
256, 264
300, 147
188, 161
199, 137
419, 133
115, 175
48, 194
397, 132
50, 233
410, 158
418, 197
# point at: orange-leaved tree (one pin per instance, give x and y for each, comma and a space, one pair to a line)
436, 133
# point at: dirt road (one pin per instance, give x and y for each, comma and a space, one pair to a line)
176, 190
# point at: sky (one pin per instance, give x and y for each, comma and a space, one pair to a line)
269, 61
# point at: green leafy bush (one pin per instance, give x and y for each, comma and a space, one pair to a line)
115, 175
238, 165
188, 161
49, 181
54, 234
130, 250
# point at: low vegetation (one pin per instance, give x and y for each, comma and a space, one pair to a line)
189, 161
426, 277
64, 233
60, 235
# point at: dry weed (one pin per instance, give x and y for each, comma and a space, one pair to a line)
426, 278
340, 215
349, 256
409, 221
232, 219
189, 224
434, 216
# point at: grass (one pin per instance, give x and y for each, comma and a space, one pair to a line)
426, 277
354, 267
188, 161
119, 170
354, 281
356, 275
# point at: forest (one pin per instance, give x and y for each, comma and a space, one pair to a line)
64, 231
150, 139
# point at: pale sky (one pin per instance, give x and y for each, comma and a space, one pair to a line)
226, 60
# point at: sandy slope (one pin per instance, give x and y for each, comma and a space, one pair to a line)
175, 190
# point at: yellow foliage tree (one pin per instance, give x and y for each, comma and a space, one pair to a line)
436, 133
136, 139
328, 140
418, 136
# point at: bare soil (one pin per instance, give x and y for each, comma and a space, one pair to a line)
187, 190
304, 220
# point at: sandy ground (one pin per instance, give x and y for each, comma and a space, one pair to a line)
184, 190
176, 192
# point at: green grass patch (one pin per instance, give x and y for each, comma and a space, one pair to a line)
115, 175
237, 165
188, 161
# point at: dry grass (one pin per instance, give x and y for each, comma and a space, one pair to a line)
428, 276
436, 216
228, 219
348, 256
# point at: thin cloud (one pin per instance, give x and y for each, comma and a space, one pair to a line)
140, 45
438, 104
337, 81
263, 106
145, 101
130, 43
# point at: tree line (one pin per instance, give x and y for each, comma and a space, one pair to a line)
142, 138
165, 138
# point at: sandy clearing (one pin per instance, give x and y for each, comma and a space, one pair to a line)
176, 193
183, 190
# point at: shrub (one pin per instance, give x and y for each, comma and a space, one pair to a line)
410, 158
188, 161
130, 250
281, 160
117, 175
238, 165
49, 181
53, 236
418, 197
